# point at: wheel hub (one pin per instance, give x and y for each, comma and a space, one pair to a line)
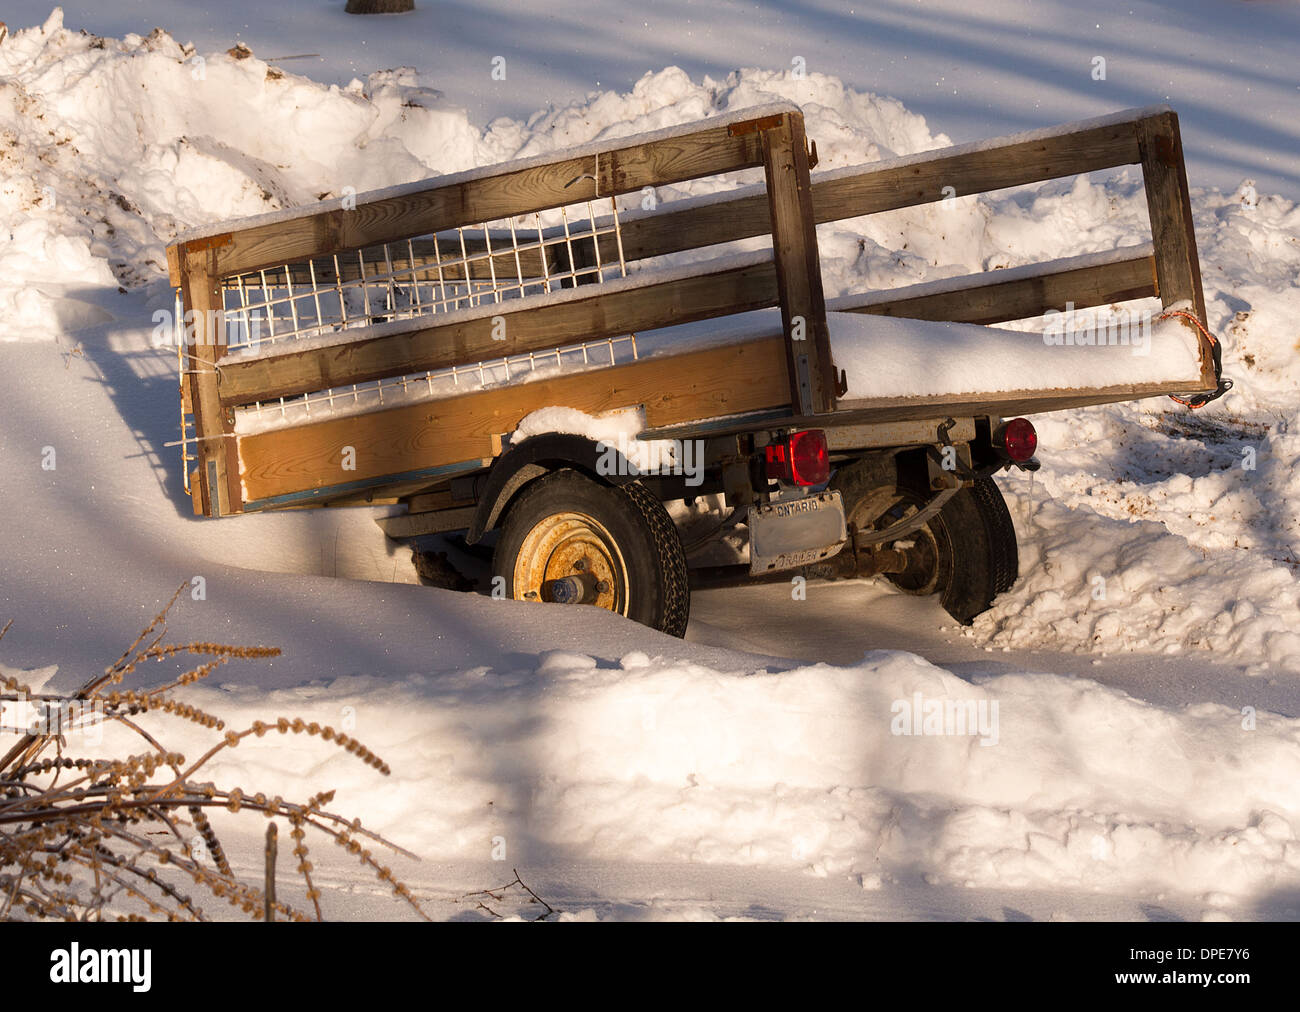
915, 570
570, 558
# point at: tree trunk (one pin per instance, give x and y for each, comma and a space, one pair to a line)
380, 6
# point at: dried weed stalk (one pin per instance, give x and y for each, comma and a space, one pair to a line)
109, 838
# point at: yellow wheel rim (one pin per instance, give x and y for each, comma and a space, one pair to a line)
568, 551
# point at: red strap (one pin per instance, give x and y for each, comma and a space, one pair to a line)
1222, 385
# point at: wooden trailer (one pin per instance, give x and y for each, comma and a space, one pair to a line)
385, 347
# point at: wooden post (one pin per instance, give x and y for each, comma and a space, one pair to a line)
813, 383
1178, 267
218, 489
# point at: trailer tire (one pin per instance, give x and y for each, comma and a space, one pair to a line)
622, 536
983, 560
966, 553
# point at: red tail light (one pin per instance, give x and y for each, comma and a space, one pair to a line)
802, 458
1017, 439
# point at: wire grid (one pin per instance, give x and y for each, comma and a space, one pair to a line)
424, 275
435, 383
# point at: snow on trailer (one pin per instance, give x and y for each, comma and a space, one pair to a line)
385, 349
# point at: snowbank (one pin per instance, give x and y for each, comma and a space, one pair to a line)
1054, 783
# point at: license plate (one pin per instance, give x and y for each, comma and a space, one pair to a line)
797, 532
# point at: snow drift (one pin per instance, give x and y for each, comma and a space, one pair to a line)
1148, 530
889, 770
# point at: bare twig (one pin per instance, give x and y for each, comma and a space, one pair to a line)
498, 894
269, 914
69, 849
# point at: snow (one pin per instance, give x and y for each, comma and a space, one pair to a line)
979, 70
817, 769
1146, 667
614, 430
1145, 591
886, 357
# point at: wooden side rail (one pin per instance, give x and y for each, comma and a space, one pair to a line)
896, 183
1016, 293
301, 464
1146, 137
290, 246
893, 184
423, 219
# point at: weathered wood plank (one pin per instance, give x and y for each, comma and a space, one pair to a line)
217, 492
987, 298
991, 167
1178, 263
174, 265
887, 186
488, 198
602, 313
810, 372
706, 383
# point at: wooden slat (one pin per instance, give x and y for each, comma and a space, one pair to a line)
798, 267
887, 187
990, 299
174, 265
598, 315
706, 383
671, 229
440, 206
988, 168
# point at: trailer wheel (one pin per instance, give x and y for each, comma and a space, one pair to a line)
571, 540
967, 553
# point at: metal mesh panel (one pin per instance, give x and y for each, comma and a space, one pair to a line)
422, 276
435, 383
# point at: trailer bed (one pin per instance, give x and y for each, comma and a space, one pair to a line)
412, 331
